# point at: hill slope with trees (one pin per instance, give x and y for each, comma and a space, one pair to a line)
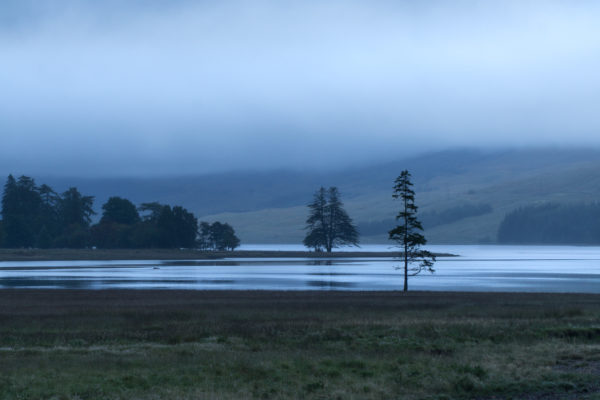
463, 195
552, 223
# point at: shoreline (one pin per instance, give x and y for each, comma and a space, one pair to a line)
159, 294
176, 254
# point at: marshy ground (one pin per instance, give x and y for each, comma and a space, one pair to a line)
175, 254
129, 344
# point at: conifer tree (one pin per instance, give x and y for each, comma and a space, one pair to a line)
316, 237
10, 225
21, 205
120, 211
75, 214
406, 234
328, 224
48, 218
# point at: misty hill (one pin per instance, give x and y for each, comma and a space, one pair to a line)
550, 223
463, 194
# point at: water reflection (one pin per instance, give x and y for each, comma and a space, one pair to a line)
33, 283
321, 262
330, 284
204, 262
479, 268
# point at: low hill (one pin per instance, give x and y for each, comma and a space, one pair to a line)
498, 182
270, 207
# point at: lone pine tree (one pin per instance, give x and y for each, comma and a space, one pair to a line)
328, 224
406, 234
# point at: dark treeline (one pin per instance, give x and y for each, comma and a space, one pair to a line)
217, 236
37, 216
552, 224
453, 214
429, 219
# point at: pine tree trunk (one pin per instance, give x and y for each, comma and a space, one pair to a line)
405, 268
405, 244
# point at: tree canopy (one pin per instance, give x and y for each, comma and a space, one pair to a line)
21, 206
328, 224
217, 236
120, 211
37, 216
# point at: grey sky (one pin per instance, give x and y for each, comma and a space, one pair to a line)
129, 87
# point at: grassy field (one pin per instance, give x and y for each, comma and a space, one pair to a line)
67, 344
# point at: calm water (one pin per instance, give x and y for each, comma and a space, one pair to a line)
478, 268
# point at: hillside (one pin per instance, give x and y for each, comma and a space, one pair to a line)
502, 180
270, 207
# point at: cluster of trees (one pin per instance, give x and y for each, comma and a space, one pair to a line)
159, 226
37, 216
217, 236
328, 224
552, 224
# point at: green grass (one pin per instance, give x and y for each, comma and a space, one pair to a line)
369, 345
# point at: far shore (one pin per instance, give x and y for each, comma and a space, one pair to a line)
178, 254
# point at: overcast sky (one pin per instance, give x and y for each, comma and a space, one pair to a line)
157, 87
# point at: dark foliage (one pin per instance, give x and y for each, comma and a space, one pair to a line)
117, 226
75, 209
74, 216
406, 234
38, 217
120, 211
552, 224
328, 224
217, 236
21, 205
112, 235
35, 216
161, 226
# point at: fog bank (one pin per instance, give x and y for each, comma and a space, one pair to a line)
125, 88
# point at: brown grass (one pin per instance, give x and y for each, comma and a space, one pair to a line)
170, 254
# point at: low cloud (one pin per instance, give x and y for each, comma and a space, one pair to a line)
137, 87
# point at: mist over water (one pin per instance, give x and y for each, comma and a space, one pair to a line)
126, 88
